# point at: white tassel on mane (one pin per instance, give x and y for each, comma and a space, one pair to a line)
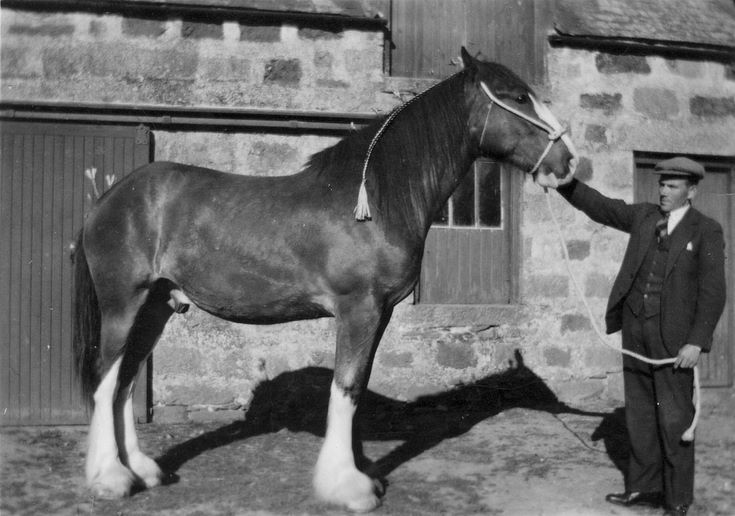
362, 210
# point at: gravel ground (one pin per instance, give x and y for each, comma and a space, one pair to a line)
500, 446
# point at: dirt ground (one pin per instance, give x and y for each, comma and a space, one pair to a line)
502, 445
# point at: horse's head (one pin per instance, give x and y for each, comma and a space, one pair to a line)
508, 123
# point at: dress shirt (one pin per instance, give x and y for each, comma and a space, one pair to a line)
675, 217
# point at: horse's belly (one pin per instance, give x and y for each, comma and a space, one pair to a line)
254, 298
280, 311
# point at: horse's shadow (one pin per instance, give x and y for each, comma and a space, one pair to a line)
298, 401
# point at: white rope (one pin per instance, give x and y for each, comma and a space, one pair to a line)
688, 434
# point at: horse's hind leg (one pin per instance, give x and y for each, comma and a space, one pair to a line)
360, 325
144, 335
106, 475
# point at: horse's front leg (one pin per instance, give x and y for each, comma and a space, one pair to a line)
360, 325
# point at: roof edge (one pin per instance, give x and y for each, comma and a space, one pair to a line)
664, 48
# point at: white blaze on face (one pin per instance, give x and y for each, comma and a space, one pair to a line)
546, 116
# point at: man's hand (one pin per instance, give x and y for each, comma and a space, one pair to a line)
688, 356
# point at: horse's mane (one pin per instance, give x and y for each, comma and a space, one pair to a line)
409, 159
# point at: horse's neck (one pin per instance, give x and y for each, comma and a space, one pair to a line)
435, 155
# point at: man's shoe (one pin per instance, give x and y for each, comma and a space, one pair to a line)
628, 499
679, 510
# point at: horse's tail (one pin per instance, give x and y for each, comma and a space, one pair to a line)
86, 323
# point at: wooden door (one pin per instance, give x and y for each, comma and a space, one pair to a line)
43, 197
471, 251
426, 36
715, 199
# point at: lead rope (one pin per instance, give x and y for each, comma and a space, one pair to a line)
688, 434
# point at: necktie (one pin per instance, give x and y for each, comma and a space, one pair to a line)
662, 229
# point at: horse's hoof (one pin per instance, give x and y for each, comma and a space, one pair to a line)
354, 490
146, 469
366, 504
115, 482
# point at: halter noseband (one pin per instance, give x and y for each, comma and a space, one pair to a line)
548, 123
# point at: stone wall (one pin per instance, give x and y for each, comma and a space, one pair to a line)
614, 105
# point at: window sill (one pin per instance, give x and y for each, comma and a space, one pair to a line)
460, 315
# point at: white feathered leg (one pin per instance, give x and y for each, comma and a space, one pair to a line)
336, 478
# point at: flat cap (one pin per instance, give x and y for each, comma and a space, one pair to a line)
680, 166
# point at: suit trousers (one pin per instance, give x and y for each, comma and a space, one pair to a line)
658, 409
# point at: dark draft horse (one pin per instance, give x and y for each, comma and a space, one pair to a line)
265, 250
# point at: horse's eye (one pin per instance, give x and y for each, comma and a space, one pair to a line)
522, 99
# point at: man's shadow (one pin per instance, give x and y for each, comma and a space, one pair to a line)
298, 401
613, 433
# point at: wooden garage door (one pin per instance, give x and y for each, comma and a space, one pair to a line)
43, 197
714, 198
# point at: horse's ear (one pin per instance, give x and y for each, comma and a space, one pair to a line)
467, 59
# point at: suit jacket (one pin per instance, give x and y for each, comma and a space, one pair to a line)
693, 295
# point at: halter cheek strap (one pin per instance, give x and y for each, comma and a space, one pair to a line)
547, 122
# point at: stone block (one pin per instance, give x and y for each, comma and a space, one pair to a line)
326, 31
220, 416
260, 33
219, 69
455, 355
621, 63
578, 249
595, 134
597, 285
556, 357
601, 358
59, 62
548, 285
167, 414
273, 159
187, 361
332, 83
323, 60
584, 170
120, 60
199, 391
199, 30
656, 103
19, 62
730, 72
574, 322
140, 27
323, 358
605, 102
286, 72
397, 359
97, 28
714, 107
162, 91
689, 69
51, 30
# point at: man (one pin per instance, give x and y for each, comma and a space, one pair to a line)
667, 299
